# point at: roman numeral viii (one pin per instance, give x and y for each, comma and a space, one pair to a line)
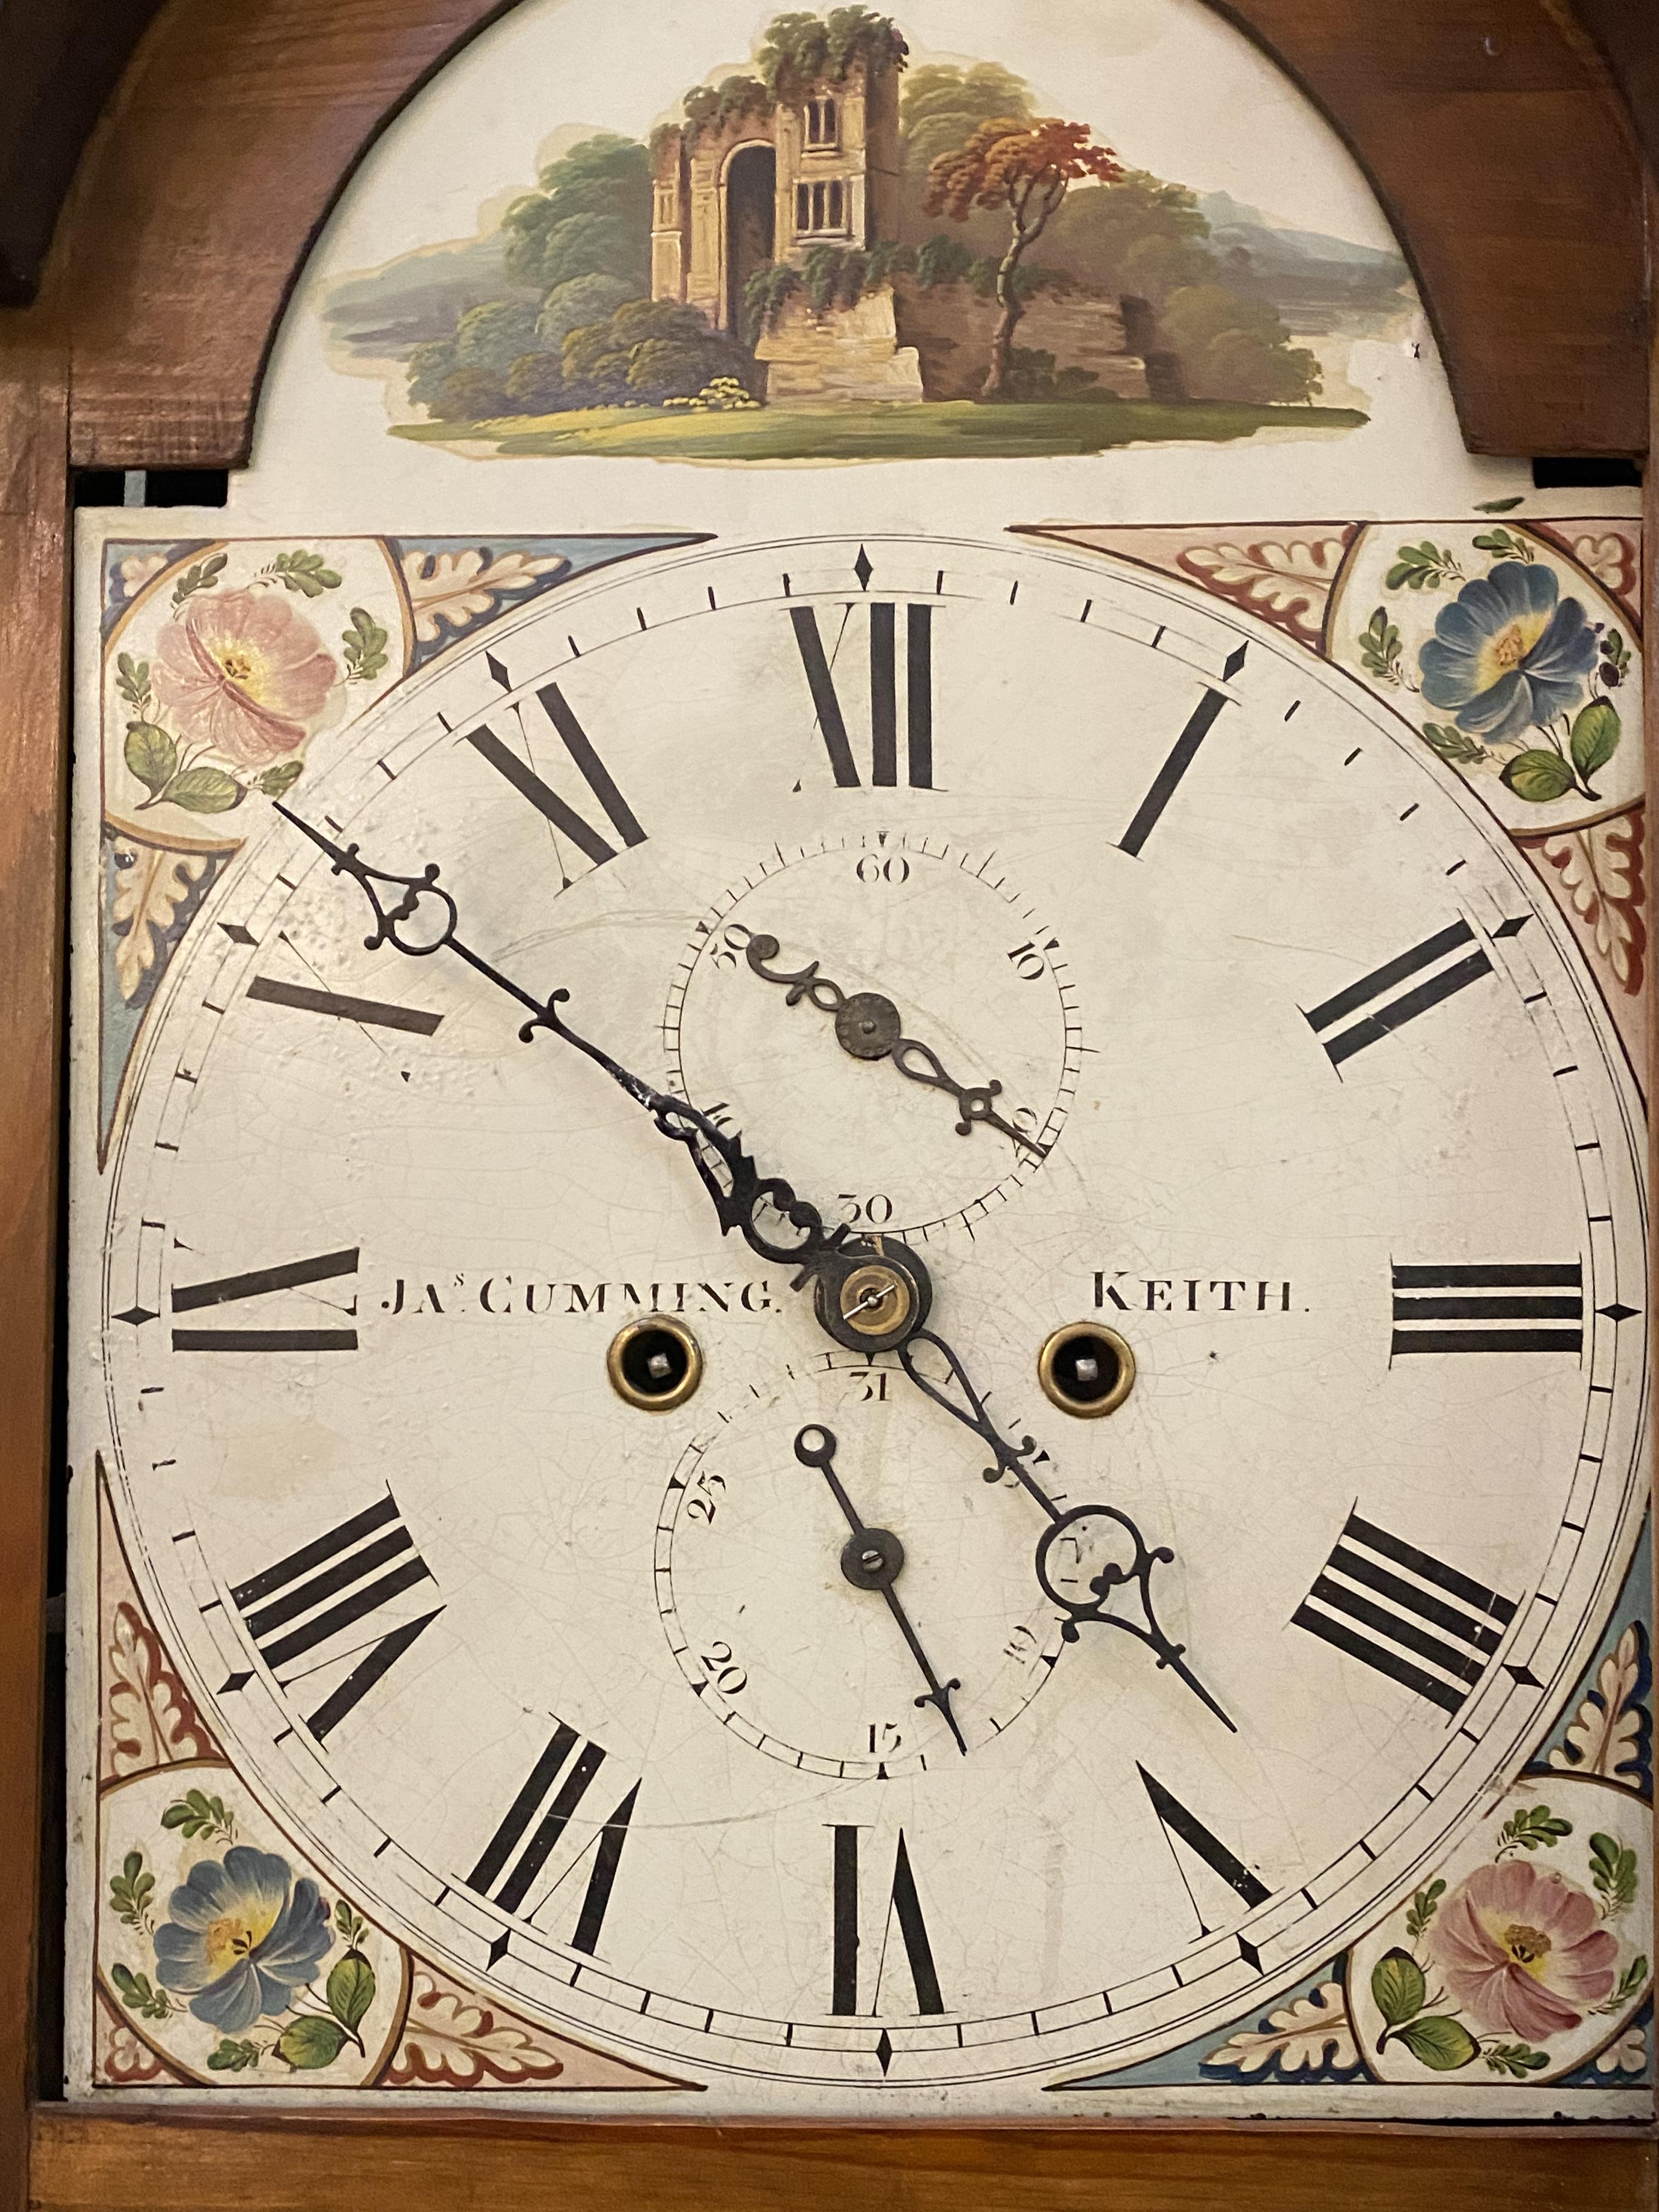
230, 1290
547, 802
317, 1606
513, 1863
1489, 1308
883, 694
1443, 963
1387, 1603
904, 1906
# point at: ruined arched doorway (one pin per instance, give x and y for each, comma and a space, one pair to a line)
750, 222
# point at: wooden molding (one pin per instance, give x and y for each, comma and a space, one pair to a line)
1505, 156
395, 2163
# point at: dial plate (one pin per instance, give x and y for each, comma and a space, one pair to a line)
1320, 1105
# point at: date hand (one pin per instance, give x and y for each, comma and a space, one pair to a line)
423, 919
1073, 1542
871, 1559
867, 1027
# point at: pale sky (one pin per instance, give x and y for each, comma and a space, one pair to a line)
1167, 83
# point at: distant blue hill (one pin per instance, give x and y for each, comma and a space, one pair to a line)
1317, 282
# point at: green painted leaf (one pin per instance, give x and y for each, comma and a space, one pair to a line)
1516, 2059
1538, 776
1497, 506
1398, 1988
1595, 734
276, 780
304, 572
201, 577
233, 2057
150, 753
365, 647
351, 1990
313, 2041
1440, 2042
134, 1988
206, 791
1452, 743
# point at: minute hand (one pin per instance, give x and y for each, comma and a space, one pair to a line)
1011, 1459
423, 919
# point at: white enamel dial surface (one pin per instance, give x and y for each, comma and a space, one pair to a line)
1299, 1086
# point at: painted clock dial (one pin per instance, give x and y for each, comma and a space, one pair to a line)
1228, 1020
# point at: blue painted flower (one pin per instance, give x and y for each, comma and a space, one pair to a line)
1505, 655
239, 1939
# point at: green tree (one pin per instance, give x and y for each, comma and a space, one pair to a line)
591, 215
583, 300
1138, 234
800, 50
1026, 169
495, 335
942, 106
1233, 347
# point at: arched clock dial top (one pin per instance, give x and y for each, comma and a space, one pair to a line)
866, 1719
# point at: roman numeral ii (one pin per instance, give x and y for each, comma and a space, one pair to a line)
1445, 966
1388, 1604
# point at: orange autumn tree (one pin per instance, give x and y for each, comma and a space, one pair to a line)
1028, 168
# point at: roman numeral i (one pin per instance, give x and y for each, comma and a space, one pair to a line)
310, 1607
1387, 1603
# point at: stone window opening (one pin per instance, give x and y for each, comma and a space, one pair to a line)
823, 122
821, 207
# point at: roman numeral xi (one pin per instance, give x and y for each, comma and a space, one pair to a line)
1406, 1614
1489, 1308
314, 1609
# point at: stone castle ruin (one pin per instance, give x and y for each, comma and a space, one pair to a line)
765, 184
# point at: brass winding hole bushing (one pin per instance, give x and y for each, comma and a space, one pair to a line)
1086, 1369
655, 1365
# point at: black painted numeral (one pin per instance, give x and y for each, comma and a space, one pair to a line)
311, 1607
1488, 1308
1453, 968
1164, 782
1178, 1821
288, 1275
883, 694
514, 1858
375, 1011
546, 801
904, 1906
1370, 1603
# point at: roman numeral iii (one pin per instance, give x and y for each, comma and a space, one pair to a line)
230, 1290
317, 1606
1489, 1308
883, 694
1387, 1604
512, 1861
1444, 965
904, 1906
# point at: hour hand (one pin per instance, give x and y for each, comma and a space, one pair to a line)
868, 1026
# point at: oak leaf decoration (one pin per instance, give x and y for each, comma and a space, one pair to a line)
1300, 2037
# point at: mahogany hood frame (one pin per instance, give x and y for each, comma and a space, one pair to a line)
1509, 157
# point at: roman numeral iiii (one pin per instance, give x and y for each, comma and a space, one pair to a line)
1489, 1308
534, 1824
1387, 1603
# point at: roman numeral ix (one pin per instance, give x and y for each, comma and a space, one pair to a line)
1385, 1603
1488, 1308
516, 1855
307, 1607
1442, 962
883, 694
230, 1290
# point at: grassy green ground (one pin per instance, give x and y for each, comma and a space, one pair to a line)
947, 429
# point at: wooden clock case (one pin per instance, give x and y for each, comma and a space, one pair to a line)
195, 147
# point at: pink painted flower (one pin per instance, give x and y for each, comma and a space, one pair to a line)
245, 673
1521, 1949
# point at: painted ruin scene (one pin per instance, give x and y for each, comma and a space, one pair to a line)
854, 246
